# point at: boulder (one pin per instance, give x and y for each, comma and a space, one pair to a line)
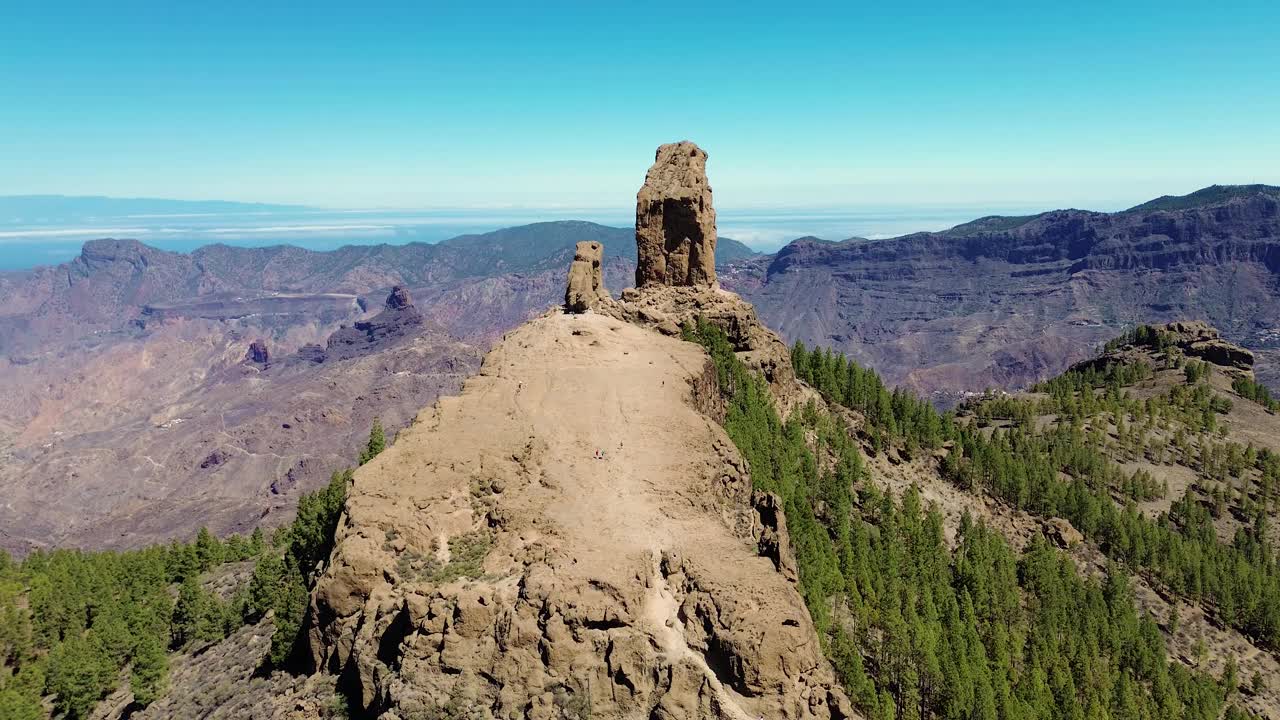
1222, 353
675, 221
1062, 533
585, 285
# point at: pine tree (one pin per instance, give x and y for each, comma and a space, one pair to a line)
265, 585
111, 633
190, 614
17, 705
290, 608
256, 542
376, 444
79, 675
208, 550
149, 676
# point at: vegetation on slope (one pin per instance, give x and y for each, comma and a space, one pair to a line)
1064, 470
74, 623
1211, 195
917, 630
990, 223
1255, 391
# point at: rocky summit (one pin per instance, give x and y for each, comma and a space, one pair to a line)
675, 222
1199, 339
576, 530
570, 526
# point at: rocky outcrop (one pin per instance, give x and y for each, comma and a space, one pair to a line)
399, 299
669, 309
490, 556
398, 321
1191, 338
585, 284
533, 552
675, 221
258, 354
1062, 533
1201, 340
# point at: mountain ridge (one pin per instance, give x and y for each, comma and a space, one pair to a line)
1008, 302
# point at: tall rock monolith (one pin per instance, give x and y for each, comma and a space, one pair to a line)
675, 221
585, 285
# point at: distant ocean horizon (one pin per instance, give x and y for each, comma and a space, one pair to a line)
27, 242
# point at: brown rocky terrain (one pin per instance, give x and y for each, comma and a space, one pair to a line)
145, 439
1005, 302
128, 413
574, 535
568, 530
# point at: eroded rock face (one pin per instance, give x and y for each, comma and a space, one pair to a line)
491, 555
1199, 339
585, 284
675, 221
668, 309
399, 299
258, 353
398, 321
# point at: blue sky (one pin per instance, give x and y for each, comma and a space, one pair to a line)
430, 104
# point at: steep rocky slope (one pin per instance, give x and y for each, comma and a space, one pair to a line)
574, 535
1004, 302
570, 530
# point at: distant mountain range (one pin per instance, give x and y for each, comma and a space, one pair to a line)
1005, 301
69, 208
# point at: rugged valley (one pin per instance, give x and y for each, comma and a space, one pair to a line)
144, 393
